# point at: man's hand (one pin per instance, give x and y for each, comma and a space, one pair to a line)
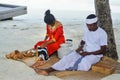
79, 49
84, 53
82, 43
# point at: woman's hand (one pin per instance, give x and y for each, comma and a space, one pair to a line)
47, 43
43, 45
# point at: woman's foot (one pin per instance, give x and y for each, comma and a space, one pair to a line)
42, 71
38, 63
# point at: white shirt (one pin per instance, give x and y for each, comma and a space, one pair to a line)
94, 39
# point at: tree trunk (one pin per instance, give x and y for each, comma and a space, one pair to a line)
104, 15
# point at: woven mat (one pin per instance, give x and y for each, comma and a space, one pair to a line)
66, 75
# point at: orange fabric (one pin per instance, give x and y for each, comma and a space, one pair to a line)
57, 35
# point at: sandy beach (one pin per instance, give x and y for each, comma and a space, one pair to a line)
22, 35
24, 31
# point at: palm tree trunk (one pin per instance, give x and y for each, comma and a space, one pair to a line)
104, 15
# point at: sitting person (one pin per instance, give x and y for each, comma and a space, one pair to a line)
89, 52
54, 37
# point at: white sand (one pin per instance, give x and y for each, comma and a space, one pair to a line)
14, 70
112, 77
22, 35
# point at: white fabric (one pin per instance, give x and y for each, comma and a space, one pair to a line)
93, 39
42, 49
69, 60
91, 21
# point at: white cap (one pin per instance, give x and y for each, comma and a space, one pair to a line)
91, 21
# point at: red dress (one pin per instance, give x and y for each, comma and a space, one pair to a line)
55, 34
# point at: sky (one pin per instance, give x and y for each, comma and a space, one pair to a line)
53, 4
84, 5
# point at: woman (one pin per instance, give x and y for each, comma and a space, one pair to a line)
54, 35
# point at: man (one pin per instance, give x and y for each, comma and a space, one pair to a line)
89, 52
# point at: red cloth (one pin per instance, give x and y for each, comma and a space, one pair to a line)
56, 34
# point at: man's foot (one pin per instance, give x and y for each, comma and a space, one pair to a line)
42, 71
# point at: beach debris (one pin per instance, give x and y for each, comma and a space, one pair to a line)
16, 55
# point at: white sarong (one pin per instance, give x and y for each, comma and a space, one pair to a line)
69, 61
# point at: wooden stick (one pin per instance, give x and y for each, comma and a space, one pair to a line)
36, 55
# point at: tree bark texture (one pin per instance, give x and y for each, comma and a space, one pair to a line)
104, 20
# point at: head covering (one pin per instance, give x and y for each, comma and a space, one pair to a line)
49, 18
91, 19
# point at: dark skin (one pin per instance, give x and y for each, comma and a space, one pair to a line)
92, 27
79, 50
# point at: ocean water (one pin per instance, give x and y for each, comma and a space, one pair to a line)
68, 18
78, 17
69, 12
71, 15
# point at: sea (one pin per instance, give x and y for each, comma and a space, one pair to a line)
69, 12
